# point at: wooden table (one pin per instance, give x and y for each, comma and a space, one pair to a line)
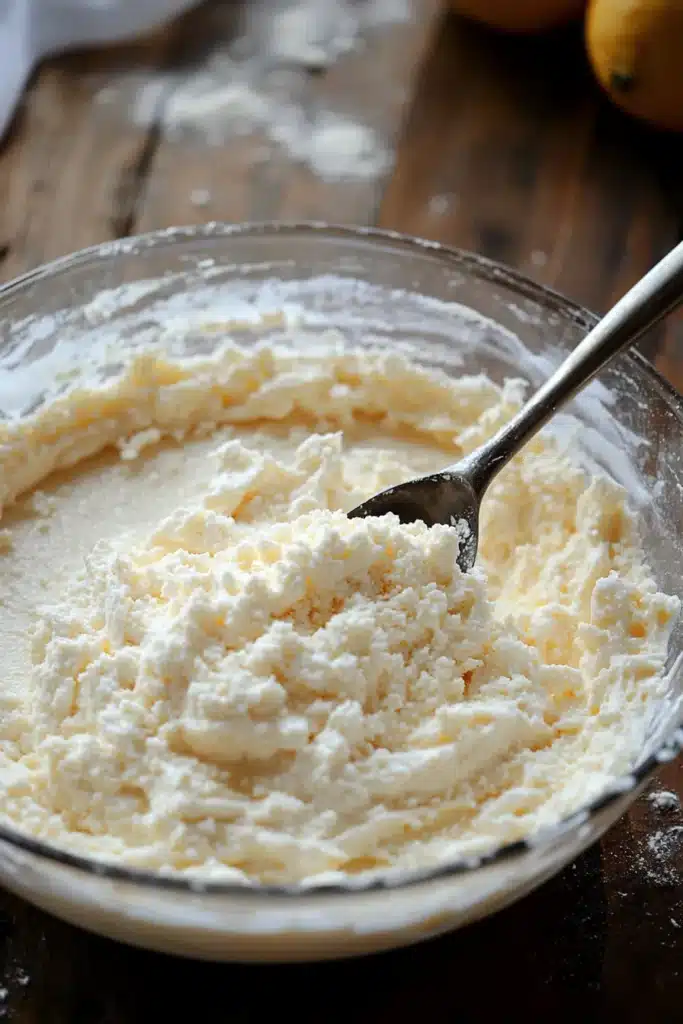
504, 147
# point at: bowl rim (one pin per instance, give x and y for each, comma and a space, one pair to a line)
456, 258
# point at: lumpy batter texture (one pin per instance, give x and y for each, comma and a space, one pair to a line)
209, 668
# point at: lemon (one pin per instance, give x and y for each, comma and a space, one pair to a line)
636, 49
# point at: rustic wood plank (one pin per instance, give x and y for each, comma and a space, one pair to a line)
249, 178
512, 152
69, 174
533, 166
76, 172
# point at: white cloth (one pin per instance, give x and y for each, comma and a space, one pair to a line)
33, 29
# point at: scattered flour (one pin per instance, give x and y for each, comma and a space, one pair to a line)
665, 842
200, 197
663, 800
315, 33
659, 856
220, 106
441, 204
338, 149
13, 976
253, 85
661, 859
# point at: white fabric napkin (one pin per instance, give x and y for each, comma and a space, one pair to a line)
33, 29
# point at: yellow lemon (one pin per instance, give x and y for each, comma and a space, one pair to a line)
636, 49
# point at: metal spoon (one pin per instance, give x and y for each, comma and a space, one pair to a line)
453, 496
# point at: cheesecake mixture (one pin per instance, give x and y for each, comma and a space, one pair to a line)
208, 668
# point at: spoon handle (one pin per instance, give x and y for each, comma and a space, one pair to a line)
655, 295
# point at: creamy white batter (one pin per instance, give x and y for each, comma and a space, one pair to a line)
208, 667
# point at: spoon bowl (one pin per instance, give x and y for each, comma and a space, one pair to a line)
453, 496
446, 498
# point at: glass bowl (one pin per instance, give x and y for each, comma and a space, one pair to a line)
457, 312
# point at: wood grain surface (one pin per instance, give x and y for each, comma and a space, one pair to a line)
505, 147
